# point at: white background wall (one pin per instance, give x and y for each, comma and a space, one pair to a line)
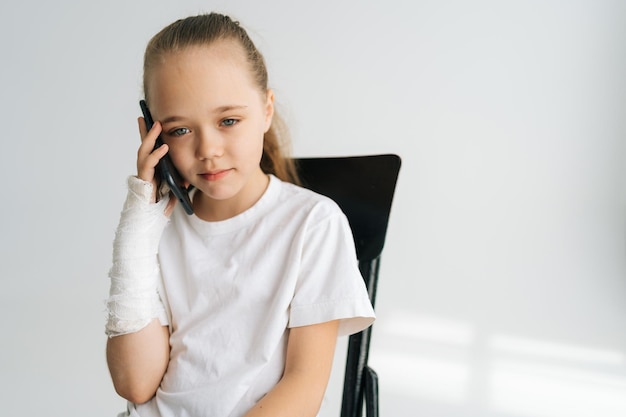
503, 287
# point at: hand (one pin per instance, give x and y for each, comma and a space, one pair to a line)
147, 156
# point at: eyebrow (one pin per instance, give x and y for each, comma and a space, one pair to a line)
218, 110
171, 119
226, 108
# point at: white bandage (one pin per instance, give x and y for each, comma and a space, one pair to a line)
133, 298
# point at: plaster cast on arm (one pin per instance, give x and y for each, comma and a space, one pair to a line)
133, 297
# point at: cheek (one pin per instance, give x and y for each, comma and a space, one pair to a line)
252, 151
252, 146
180, 155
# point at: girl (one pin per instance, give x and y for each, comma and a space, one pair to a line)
234, 310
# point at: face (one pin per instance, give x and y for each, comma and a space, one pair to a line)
214, 118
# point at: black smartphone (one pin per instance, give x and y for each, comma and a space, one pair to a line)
166, 170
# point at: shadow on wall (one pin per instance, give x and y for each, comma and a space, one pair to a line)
439, 361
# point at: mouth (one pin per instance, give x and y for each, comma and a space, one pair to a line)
215, 175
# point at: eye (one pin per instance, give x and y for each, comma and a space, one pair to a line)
229, 122
180, 131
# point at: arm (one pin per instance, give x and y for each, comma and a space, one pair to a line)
137, 361
300, 391
138, 345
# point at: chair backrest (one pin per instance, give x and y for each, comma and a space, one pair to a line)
363, 186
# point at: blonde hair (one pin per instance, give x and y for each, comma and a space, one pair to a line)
204, 30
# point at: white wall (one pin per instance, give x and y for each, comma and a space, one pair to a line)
503, 287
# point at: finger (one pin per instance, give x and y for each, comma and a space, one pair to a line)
141, 122
153, 158
146, 164
148, 140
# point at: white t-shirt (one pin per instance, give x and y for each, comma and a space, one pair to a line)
233, 288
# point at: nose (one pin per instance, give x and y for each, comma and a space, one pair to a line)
209, 144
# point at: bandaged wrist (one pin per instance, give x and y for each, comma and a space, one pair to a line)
133, 298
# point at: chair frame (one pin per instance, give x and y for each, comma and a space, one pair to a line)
367, 206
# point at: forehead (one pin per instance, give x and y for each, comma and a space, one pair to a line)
219, 70
221, 55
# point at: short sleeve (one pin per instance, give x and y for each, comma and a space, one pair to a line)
330, 286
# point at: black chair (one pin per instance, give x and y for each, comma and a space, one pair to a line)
363, 186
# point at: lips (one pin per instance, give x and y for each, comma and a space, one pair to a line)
215, 175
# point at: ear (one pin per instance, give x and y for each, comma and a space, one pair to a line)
269, 109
